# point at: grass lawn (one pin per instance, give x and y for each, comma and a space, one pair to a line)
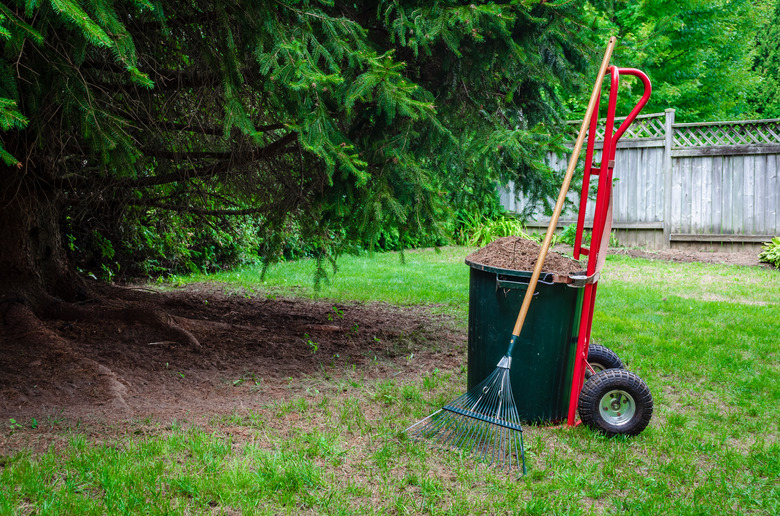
704, 337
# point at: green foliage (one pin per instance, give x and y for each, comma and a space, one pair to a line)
335, 127
158, 243
569, 234
479, 230
698, 53
765, 101
771, 252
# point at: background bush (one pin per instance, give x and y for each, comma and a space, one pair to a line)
771, 252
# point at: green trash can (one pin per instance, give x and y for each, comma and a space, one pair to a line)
543, 358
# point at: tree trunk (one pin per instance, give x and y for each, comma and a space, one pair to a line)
33, 261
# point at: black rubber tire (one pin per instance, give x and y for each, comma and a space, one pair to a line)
616, 402
601, 358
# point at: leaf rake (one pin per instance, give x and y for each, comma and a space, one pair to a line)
483, 422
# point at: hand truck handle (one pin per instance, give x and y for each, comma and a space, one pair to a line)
639, 105
610, 144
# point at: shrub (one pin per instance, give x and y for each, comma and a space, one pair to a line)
771, 252
569, 233
479, 230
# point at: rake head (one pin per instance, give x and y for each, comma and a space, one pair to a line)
483, 423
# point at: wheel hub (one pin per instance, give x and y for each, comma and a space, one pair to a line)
617, 407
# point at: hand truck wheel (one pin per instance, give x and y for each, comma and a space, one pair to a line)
616, 402
600, 358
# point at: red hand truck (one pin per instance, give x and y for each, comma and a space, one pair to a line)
612, 400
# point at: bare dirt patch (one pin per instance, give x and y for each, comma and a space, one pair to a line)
744, 258
252, 351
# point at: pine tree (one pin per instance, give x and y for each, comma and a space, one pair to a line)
348, 122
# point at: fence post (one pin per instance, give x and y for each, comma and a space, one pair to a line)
668, 143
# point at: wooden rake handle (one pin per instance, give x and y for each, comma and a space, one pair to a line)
575, 156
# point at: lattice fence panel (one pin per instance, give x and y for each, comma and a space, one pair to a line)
651, 127
642, 127
735, 133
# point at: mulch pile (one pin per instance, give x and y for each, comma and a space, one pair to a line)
520, 254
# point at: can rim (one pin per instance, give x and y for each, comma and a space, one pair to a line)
545, 277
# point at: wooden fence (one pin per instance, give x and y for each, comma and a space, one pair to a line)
702, 185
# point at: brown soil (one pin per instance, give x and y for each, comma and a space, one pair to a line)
745, 258
252, 351
519, 254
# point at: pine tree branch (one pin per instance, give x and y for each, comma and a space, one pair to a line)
274, 149
199, 155
212, 131
222, 167
164, 79
181, 208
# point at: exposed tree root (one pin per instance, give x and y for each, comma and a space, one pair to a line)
169, 327
22, 333
27, 336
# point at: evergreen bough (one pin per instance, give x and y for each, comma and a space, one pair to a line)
352, 122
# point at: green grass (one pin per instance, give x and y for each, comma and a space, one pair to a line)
704, 337
419, 276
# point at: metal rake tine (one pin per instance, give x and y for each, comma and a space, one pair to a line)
481, 429
483, 439
456, 439
487, 440
439, 423
464, 428
494, 410
493, 444
506, 451
443, 428
448, 428
496, 447
476, 442
449, 425
486, 444
499, 450
477, 437
459, 425
422, 421
485, 390
522, 451
517, 452
474, 428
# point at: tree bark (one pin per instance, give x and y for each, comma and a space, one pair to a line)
35, 271
33, 261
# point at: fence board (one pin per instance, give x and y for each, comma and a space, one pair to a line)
728, 197
759, 169
716, 197
773, 166
749, 194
